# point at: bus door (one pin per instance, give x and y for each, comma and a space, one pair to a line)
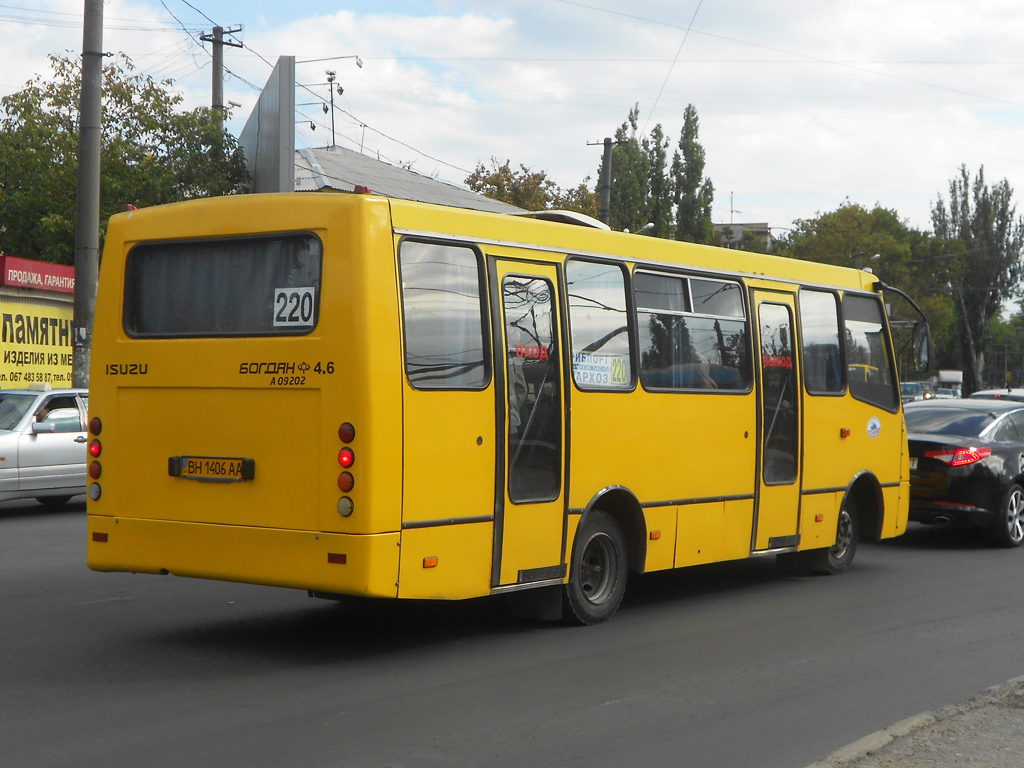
778, 506
530, 497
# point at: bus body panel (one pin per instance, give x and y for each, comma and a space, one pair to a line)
332, 563
277, 400
663, 446
156, 424
448, 468
449, 562
661, 539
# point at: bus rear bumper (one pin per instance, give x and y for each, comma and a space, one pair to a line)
326, 562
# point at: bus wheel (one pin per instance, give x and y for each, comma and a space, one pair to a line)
840, 554
597, 578
833, 560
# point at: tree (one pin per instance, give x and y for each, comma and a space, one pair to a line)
914, 261
989, 269
659, 185
529, 190
629, 177
694, 192
151, 154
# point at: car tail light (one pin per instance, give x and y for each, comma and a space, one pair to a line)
95, 449
95, 470
959, 457
95, 425
346, 457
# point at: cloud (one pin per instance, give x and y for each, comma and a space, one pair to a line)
800, 106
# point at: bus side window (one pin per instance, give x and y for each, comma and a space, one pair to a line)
867, 352
598, 324
443, 312
823, 363
693, 333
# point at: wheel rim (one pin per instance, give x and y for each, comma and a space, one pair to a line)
1014, 521
598, 568
844, 537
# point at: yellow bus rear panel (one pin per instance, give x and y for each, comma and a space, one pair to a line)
324, 562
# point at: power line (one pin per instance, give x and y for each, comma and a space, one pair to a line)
793, 53
672, 65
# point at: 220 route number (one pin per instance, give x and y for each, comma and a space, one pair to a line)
293, 307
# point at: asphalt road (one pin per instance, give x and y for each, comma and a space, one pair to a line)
730, 665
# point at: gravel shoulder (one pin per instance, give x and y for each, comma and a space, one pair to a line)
985, 732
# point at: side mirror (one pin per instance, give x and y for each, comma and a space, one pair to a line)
922, 345
42, 426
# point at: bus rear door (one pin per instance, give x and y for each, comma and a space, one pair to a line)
778, 506
530, 514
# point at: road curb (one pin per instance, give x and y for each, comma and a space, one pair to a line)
875, 741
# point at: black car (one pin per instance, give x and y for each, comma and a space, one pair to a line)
967, 465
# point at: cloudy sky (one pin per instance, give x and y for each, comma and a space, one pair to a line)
802, 104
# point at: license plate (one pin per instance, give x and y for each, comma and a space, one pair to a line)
913, 463
212, 469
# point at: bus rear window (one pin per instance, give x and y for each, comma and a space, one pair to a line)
258, 286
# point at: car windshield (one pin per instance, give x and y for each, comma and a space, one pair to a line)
948, 421
910, 388
13, 408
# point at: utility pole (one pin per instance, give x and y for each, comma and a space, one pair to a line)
331, 74
217, 38
604, 189
87, 218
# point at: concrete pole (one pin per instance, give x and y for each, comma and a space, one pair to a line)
87, 221
605, 197
218, 76
217, 38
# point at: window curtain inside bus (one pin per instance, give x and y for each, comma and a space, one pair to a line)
232, 287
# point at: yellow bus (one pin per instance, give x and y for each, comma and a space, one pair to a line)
356, 395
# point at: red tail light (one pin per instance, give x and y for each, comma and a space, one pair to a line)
959, 457
346, 457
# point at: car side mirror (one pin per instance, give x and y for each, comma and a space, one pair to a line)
922, 344
42, 426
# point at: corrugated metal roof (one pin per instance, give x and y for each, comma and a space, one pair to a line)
342, 169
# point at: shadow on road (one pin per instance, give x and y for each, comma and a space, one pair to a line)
32, 508
937, 537
323, 631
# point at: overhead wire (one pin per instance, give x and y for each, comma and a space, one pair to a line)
672, 65
801, 55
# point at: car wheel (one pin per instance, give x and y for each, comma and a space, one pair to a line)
53, 502
597, 578
1009, 527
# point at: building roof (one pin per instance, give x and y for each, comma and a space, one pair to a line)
337, 168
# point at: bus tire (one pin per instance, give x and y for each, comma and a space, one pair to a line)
834, 559
599, 568
838, 557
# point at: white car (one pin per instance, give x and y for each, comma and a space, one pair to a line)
42, 444
1000, 394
